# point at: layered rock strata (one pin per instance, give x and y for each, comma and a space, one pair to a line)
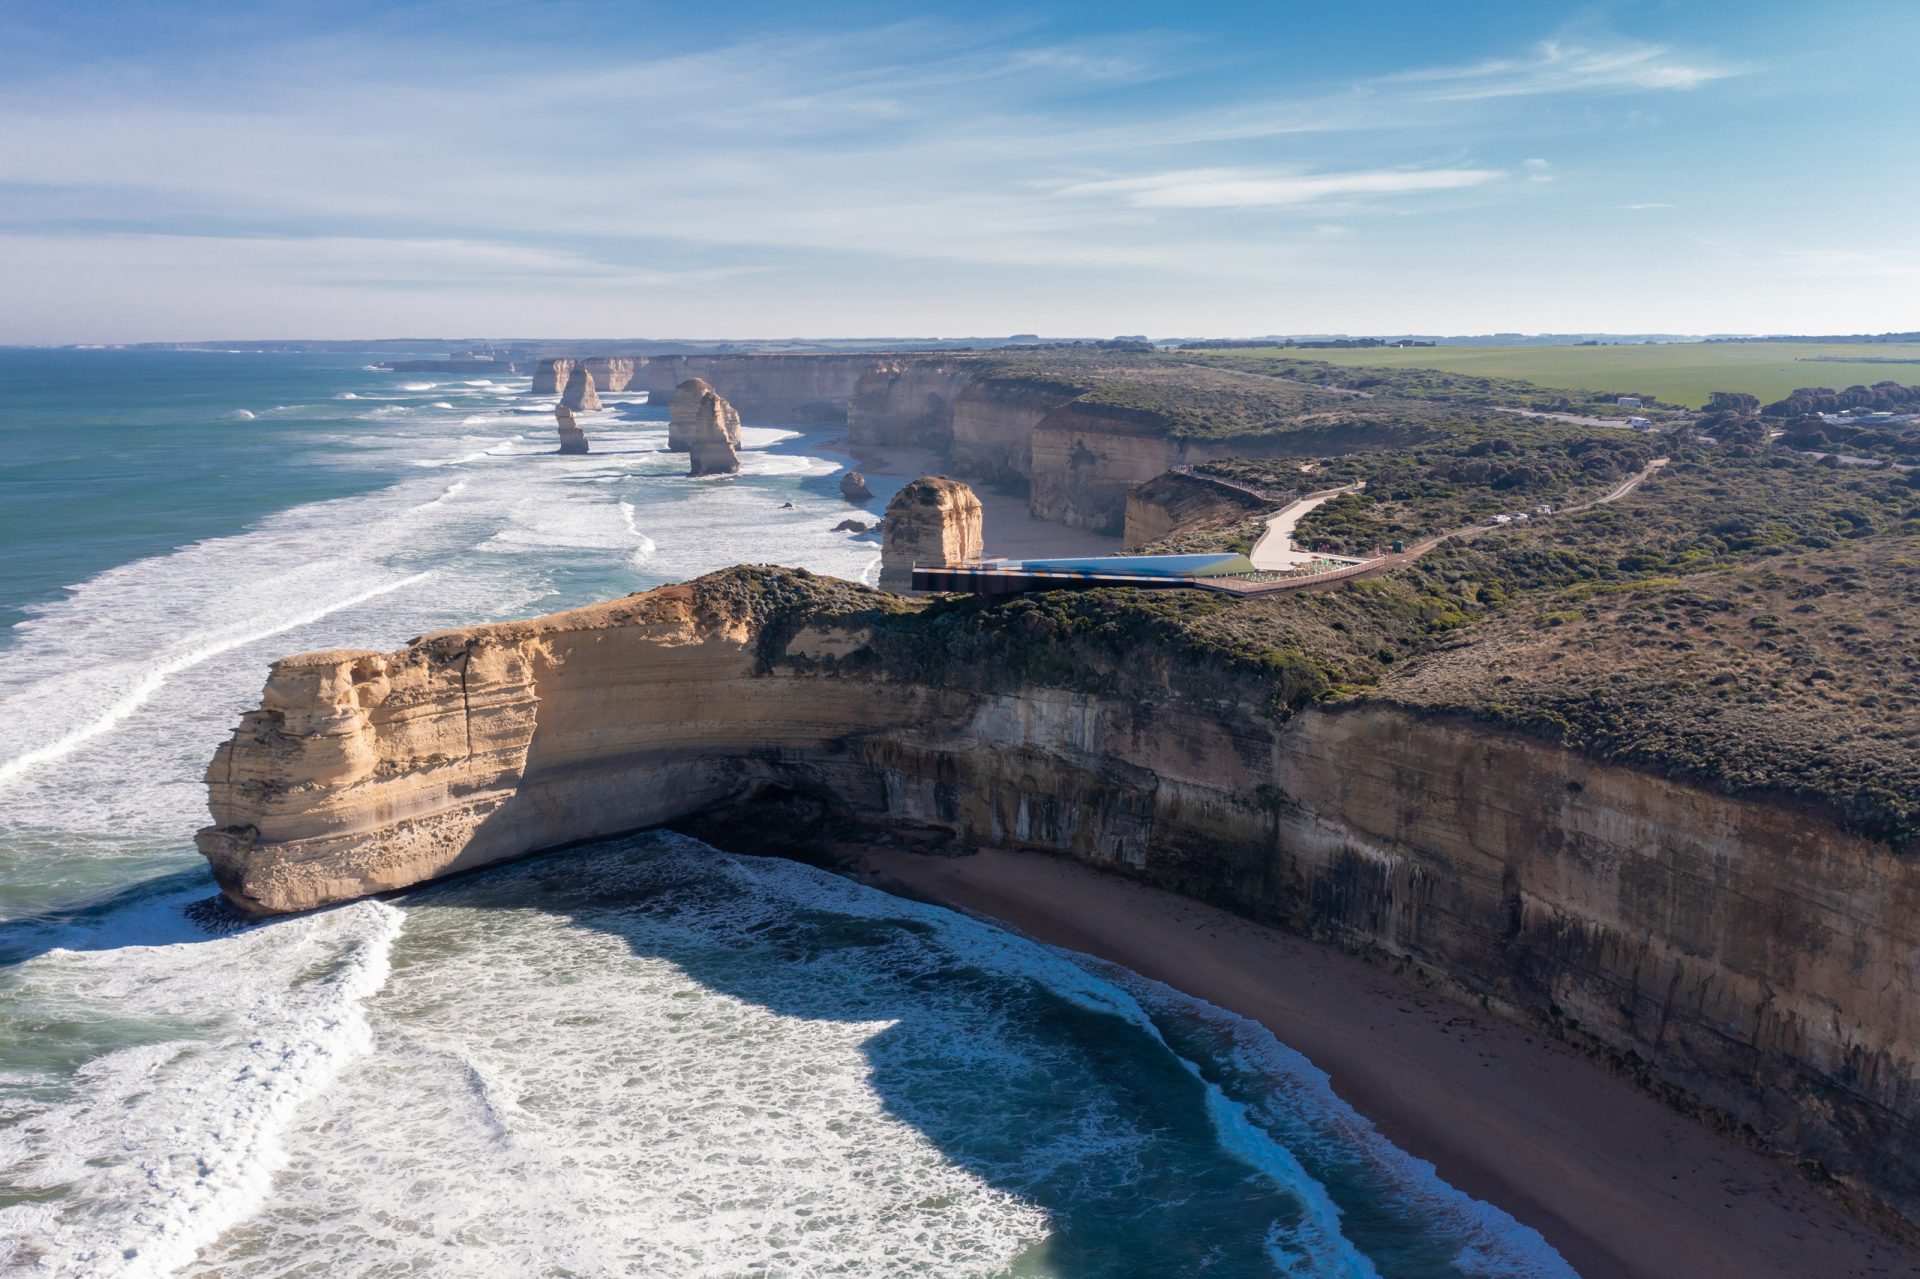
550, 376
1748, 958
683, 420
615, 372
933, 520
580, 395
713, 435
572, 438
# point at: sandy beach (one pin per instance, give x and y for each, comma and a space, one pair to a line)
1011, 530
1619, 1183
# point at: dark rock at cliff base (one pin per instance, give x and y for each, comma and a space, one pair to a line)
853, 487
852, 526
713, 434
572, 438
683, 413
580, 395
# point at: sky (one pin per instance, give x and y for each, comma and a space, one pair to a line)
196, 171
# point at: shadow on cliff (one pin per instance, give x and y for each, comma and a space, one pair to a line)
1082, 1114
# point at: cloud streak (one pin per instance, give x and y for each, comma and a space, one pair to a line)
1255, 188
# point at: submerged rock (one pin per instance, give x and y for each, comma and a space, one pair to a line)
683, 413
713, 434
933, 520
853, 487
580, 395
572, 438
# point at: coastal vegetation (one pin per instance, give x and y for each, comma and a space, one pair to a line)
1744, 619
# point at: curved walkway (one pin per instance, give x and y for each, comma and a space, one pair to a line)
1386, 563
1275, 551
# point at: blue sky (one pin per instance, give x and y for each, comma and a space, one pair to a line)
186, 170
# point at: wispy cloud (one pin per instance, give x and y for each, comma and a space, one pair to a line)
1646, 204
1553, 67
1255, 188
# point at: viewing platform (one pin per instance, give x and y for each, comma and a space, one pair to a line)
1225, 573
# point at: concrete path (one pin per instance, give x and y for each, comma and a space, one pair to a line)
1275, 551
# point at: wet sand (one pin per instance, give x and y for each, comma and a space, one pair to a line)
1619, 1183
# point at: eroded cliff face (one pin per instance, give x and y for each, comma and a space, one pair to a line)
550, 376
906, 402
766, 388
1751, 958
1183, 501
615, 372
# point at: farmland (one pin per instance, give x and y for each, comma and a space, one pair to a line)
1682, 373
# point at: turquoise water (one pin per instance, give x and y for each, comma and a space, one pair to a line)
644, 1057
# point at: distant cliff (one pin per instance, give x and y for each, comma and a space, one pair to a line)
769, 389
1748, 957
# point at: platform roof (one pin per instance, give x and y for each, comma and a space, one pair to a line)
1140, 566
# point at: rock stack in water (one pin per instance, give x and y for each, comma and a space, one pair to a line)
550, 377
580, 395
572, 438
853, 487
713, 438
933, 520
683, 413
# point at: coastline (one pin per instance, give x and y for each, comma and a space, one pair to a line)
1010, 529
1617, 1182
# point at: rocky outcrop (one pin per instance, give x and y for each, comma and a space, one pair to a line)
853, 526
933, 520
684, 411
550, 376
580, 395
766, 388
712, 432
853, 487
572, 438
1748, 958
1185, 501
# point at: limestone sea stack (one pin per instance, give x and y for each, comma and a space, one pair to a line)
580, 395
933, 520
713, 441
853, 487
683, 414
572, 438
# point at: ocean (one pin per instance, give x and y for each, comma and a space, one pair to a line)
643, 1057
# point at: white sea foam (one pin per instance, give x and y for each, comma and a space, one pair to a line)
418, 386
346, 395
440, 404
131, 685
242, 415
194, 1124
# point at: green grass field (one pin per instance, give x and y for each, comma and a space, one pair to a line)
1678, 373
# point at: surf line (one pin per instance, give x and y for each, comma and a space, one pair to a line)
15, 768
